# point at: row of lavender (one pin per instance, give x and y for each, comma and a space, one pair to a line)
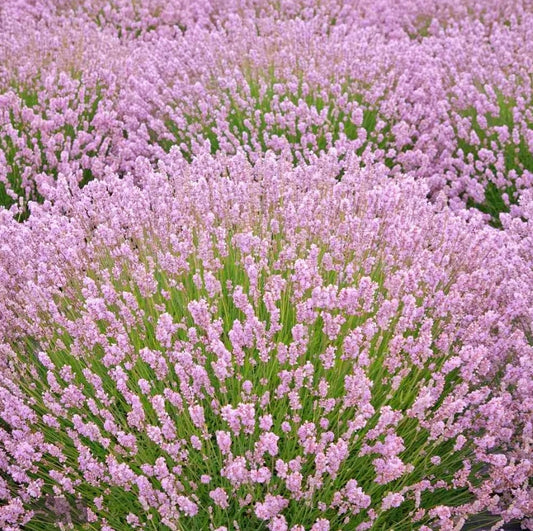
437, 90
249, 290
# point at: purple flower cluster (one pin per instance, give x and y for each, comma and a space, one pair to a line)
241, 286
438, 90
221, 342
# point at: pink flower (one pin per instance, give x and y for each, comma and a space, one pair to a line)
220, 497
393, 499
270, 507
321, 525
224, 441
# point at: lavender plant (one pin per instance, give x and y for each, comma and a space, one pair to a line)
436, 90
57, 111
236, 346
450, 108
242, 284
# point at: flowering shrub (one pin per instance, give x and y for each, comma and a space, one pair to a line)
227, 345
56, 104
438, 90
445, 108
239, 287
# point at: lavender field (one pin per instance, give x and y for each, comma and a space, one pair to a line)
266, 265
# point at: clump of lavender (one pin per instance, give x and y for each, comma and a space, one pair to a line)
438, 90
59, 83
450, 107
228, 346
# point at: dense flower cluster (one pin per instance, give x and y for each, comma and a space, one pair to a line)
439, 90
241, 282
264, 344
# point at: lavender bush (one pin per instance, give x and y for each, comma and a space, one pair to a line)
234, 346
266, 265
439, 91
